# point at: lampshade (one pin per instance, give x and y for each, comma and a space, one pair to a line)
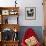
15, 30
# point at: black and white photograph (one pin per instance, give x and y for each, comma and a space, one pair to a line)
30, 13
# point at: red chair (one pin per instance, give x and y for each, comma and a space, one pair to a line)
29, 33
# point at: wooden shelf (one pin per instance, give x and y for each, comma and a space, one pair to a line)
4, 8
9, 10
9, 43
4, 13
11, 26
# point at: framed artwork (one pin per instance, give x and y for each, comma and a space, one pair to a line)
5, 12
30, 13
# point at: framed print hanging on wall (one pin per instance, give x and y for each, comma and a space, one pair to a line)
30, 13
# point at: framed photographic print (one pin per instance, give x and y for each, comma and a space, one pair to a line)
30, 13
5, 12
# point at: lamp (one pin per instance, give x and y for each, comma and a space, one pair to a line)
15, 30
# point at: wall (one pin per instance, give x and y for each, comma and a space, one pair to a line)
39, 13
26, 3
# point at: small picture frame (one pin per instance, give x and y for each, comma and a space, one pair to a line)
30, 13
5, 12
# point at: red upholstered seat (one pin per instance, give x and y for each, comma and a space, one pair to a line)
29, 33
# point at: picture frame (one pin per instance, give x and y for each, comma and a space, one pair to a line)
5, 12
30, 13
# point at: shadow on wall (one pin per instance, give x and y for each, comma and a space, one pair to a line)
37, 29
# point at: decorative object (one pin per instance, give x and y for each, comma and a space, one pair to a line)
5, 12
30, 13
13, 12
15, 30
